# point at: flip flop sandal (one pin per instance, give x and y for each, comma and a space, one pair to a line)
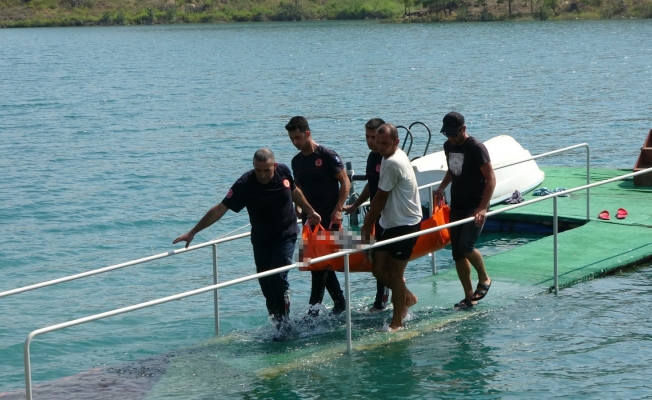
557, 190
541, 192
463, 305
481, 291
604, 215
622, 213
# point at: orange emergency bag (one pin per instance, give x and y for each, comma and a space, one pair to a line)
319, 242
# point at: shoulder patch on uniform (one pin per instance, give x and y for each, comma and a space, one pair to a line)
229, 194
286, 183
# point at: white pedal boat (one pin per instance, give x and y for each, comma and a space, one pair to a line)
503, 150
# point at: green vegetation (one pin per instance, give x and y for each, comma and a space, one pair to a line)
28, 13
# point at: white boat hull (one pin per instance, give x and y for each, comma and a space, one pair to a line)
502, 150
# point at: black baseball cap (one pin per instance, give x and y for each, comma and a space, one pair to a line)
452, 123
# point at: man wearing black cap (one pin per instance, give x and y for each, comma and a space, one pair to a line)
473, 182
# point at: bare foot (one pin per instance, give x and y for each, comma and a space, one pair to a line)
410, 300
395, 327
374, 310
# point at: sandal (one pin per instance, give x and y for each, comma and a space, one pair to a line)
463, 305
622, 213
541, 192
481, 291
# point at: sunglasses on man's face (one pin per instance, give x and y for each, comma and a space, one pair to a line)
453, 135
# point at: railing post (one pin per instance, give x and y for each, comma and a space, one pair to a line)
555, 229
347, 286
588, 182
28, 369
216, 300
353, 217
431, 209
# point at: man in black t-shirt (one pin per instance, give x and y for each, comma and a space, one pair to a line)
473, 182
372, 172
267, 191
320, 174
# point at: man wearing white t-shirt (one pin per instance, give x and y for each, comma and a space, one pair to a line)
398, 204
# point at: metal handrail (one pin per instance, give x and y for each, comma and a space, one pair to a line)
425, 151
217, 241
407, 134
345, 253
122, 265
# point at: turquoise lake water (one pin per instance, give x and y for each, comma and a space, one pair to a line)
116, 140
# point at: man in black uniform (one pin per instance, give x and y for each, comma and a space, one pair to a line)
373, 175
320, 174
473, 182
267, 191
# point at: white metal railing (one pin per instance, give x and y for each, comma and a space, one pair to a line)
429, 186
118, 266
344, 253
215, 242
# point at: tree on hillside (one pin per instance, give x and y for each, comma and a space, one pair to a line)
408, 6
440, 5
509, 6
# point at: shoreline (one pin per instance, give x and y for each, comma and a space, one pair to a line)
60, 13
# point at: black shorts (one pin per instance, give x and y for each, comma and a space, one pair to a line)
399, 250
463, 237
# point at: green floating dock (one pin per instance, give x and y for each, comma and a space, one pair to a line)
587, 250
592, 249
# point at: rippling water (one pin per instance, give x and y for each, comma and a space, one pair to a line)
116, 140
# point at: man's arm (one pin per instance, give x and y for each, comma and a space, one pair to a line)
300, 200
345, 185
377, 205
212, 216
297, 208
361, 199
439, 193
488, 173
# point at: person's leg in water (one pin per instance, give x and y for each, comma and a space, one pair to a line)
275, 287
333, 285
382, 295
463, 238
389, 271
475, 258
322, 280
326, 280
318, 285
335, 290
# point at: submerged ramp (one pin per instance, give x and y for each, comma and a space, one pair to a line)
591, 249
585, 252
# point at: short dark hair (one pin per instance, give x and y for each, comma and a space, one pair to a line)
298, 122
374, 123
264, 155
389, 128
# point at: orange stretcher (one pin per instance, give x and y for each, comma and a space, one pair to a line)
319, 242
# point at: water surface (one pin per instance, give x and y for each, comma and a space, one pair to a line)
116, 140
